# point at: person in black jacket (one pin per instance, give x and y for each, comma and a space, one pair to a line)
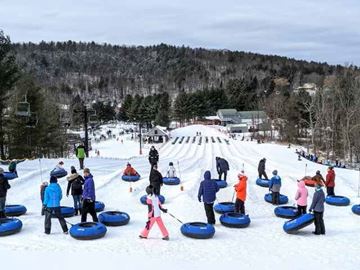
75, 182
156, 179
222, 167
261, 169
4, 186
153, 156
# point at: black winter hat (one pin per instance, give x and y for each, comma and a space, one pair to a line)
53, 179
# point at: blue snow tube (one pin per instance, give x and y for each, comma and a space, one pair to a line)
198, 230
171, 181
262, 182
282, 200
286, 212
9, 175
130, 178
88, 230
114, 218
221, 183
143, 199
9, 226
99, 206
337, 200
235, 220
356, 209
15, 210
65, 212
58, 173
224, 207
296, 224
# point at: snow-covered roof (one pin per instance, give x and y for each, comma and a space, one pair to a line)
212, 118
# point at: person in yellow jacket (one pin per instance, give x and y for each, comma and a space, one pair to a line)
80, 154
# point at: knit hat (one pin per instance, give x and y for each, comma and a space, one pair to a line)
53, 179
275, 172
318, 172
86, 170
61, 162
1, 170
73, 170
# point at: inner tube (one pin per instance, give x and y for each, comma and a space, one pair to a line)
282, 200
15, 210
9, 175
58, 173
298, 223
221, 183
198, 230
114, 218
308, 181
99, 206
65, 212
337, 200
286, 212
10, 226
356, 209
130, 178
171, 181
235, 220
224, 207
88, 230
143, 199
262, 182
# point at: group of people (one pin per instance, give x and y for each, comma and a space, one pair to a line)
315, 158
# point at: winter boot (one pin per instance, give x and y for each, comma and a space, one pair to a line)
166, 238
142, 237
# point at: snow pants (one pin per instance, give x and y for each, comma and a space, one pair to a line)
240, 206
301, 210
319, 222
57, 213
209, 210
330, 191
88, 207
150, 223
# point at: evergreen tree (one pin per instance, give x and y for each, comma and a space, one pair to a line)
162, 116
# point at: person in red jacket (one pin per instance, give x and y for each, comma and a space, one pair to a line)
330, 182
240, 189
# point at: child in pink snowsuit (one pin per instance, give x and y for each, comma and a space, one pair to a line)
301, 198
154, 215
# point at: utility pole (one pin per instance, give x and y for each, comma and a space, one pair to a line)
86, 144
140, 151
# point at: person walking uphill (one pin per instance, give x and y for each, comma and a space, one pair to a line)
301, 197
330, 182
4, 186
75, 182
274, 187
261, 168
88, 197
222, 167
153, 156
240, 189
207, 190
156, 179
317, 206
80, 154
52, 198
154, 214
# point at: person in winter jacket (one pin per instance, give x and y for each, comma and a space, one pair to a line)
330, 182
52, 198
130, 171
261, 169
274, 187
319, 178
80, 154
207, 191
43, 186
60, 165
301, 197
240, 189
12, 166
75, 183
317, 206
222, 167
171, 172
156, 179
153, 156
154, 214
4, 186
88, 197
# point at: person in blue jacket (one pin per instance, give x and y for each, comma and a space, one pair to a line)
222, 167
208, 189
274, 187
88, 197
52, 198
317, 206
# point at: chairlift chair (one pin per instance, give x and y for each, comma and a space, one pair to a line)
23, 109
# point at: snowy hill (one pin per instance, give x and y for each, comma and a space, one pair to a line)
264, 238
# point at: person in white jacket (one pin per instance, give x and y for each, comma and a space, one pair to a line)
171, 173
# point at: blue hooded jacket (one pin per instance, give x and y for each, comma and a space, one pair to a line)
208, 189
89, 188
53, 195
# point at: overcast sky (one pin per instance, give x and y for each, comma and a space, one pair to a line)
319, 30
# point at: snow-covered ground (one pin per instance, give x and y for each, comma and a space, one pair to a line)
262, 245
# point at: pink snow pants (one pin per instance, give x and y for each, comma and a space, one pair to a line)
161, 225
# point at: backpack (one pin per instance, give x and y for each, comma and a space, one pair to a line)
77, 184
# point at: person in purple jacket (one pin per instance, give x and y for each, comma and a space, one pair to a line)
207, 190
88, 197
